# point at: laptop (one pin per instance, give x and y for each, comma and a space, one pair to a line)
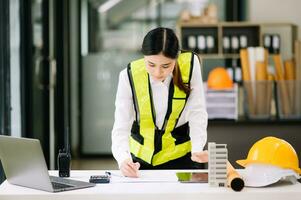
24, 165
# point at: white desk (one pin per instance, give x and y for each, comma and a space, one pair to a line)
160, 190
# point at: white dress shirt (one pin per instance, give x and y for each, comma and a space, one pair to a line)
194, 111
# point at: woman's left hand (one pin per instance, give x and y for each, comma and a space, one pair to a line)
200, 157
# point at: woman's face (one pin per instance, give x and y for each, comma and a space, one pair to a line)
159, 66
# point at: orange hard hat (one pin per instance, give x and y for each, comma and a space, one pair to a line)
219, 79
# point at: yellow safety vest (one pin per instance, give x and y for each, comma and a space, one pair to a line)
148, 142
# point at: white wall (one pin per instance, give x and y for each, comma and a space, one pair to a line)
276, 11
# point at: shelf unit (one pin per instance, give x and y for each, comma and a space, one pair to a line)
241, 134
253, 31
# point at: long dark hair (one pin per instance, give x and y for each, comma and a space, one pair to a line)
165, 41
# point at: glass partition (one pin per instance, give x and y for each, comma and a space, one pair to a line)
111, 35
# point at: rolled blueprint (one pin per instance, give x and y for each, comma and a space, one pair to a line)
234, 180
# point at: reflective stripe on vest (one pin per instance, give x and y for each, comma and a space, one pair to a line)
145, 148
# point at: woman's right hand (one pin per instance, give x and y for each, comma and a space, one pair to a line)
129, 168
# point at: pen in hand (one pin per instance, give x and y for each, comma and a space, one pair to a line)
129, 168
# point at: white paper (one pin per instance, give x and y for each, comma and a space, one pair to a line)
145, 177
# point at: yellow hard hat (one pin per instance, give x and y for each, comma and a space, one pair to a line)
273, 151
219, 79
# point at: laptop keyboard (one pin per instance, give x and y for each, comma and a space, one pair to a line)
60, 185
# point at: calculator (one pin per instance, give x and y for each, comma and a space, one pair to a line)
99, 179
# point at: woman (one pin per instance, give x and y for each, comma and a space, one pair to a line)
160, 117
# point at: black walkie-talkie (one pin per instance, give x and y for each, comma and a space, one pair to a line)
64, 158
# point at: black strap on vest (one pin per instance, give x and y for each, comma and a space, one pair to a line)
133, 92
